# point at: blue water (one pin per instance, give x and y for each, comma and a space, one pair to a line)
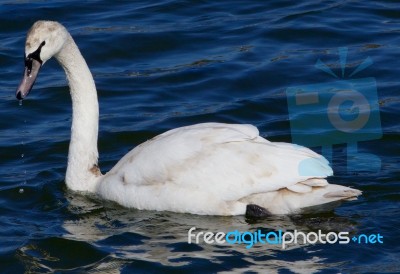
161, 65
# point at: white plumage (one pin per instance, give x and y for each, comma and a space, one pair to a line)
210, 168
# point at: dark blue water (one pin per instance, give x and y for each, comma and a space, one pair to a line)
161, 65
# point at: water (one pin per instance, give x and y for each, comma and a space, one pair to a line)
163, 65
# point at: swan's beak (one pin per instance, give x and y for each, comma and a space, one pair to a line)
32, 68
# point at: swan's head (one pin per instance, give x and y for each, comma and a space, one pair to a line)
44, 40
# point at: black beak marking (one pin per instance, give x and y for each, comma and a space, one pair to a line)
33, 62
34, 56
19, 95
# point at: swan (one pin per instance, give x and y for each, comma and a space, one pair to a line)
207, 169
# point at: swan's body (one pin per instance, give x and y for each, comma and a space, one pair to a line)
212, 168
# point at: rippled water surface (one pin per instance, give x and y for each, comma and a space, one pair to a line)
164, 64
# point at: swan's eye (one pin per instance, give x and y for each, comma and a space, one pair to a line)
28, 65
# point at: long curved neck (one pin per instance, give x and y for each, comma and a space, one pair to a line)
82, 171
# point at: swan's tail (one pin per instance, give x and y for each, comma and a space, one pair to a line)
285, 201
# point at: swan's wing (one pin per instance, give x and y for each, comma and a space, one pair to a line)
225, 160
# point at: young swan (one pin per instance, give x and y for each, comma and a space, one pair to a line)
210, 168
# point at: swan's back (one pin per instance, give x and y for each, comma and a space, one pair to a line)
212, 161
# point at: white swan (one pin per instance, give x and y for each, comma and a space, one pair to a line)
211, 168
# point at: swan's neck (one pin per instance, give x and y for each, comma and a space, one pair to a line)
82, 171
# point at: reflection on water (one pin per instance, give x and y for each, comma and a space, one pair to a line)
115, 236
